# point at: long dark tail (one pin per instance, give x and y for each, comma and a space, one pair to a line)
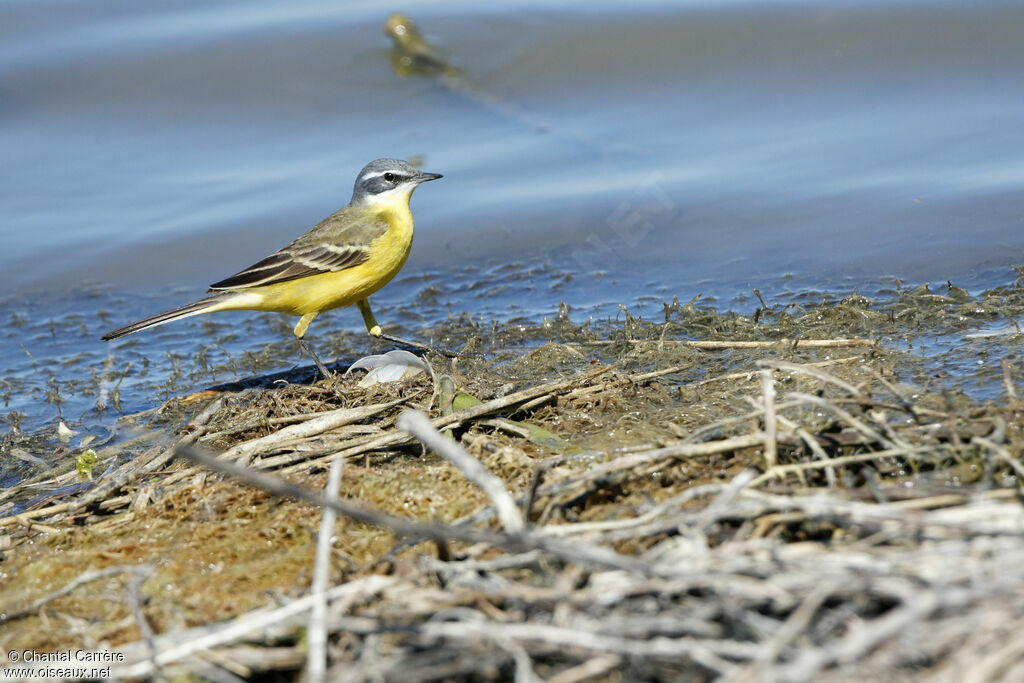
194, 308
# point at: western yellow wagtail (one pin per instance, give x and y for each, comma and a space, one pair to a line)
343, 260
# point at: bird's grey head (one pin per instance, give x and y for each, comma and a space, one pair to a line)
385, 180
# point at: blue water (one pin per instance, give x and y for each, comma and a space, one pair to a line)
673, 148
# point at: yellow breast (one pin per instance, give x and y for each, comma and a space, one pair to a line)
317, 293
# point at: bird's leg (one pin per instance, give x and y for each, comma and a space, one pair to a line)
300, 331
371, 323
375, 331
320, 366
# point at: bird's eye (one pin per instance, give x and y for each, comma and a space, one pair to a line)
389, 176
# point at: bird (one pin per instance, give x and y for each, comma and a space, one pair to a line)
340, 262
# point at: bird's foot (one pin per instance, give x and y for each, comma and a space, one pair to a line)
320, 366
416, 345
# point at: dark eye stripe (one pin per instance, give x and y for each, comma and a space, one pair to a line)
389, 176
380, 184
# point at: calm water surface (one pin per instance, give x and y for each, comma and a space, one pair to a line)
673, 148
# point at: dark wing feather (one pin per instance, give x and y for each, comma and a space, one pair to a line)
295, 261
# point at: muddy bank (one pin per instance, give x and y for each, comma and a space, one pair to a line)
823, 488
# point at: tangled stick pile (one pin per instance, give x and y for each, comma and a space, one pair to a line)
808, 514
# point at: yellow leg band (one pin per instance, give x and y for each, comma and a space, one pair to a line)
371, 323
303, 324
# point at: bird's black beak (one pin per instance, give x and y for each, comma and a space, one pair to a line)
424, 177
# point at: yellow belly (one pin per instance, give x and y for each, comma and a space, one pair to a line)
318, 293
